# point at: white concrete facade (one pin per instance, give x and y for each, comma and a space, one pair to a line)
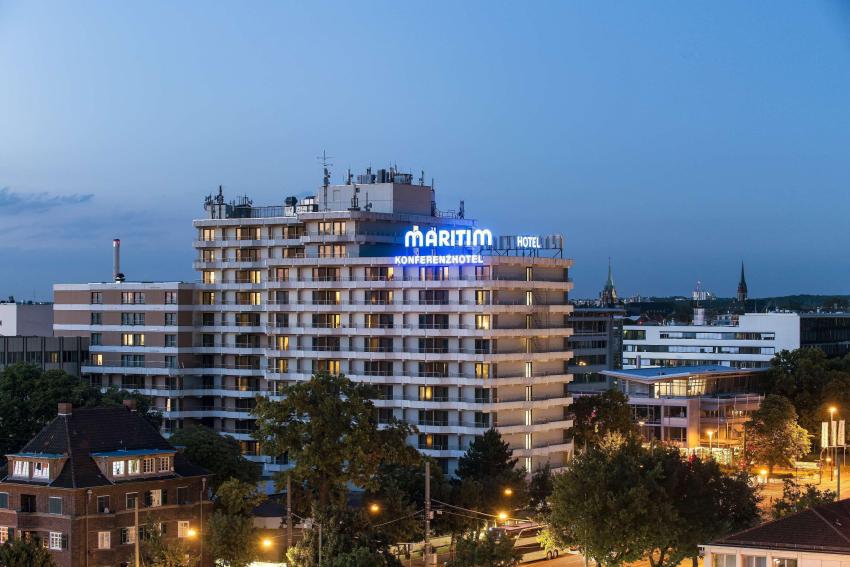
26, 319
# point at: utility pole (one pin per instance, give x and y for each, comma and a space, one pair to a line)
288, 511
201, 527
136, 519
426, 553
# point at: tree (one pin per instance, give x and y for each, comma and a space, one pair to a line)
490, 550
18, 552
773, 435
596, 416
157, 551
230, 530
220, 454
328, 426
116, 397
796, 500
540, 489
489, 464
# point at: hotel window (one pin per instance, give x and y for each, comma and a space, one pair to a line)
326, 321
132, 339
208, 298
482, 272
248, 233
433, 273
117, 468
95, 339
132, 318
148, 465
170, 341
529, 298
433, 369
434, 321
96, 298
329, 366
4, 500
331, 250
182, 529
208, 255
326, 297
375, 273
171, 298
281, 343
528, 370
529, 274
170, 361
482, 322
529, 393
128, 535
379, 321
482, 419
385, 415
482, 370
96, 319
331, 227
326, 274
378, 368
97, 359
103, 540
379, 297
482, 346
280, 274
55, 540
529, 321
482, 297
434, 442
207, 234
723, 560
209, 277
54, 505
132, 298
133, 466
281, 365
784, 562
164, 464
41, 470
482, 395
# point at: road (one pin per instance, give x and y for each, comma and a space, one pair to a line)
566, 560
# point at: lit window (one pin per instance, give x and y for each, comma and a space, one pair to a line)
148, 465
164, 464
182, 529
55, 540
209, 277
155, 498
482, 322
103, 540
97, 359
128, 535
41, 470
133, 466
22, 469
482, 370
4, 534
117, 468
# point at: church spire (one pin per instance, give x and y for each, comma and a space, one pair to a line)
609, 292
742, 286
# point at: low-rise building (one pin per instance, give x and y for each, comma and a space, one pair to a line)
817, 537
26, 318
698, 408
94, 481
48, 353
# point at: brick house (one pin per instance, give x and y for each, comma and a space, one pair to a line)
80, 483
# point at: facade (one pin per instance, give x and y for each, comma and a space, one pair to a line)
48, 353
816, 537
80, 484
26, 319
458, 330
750, 340
699, 408
596, 344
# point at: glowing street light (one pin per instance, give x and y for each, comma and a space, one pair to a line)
509, 491
266, 542
710, 436
503, 516
192, 533
374, 508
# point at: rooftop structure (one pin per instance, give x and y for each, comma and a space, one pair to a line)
26, 319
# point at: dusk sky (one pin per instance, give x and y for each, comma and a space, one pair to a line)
680, 138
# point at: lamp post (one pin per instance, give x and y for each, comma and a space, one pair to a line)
710, 436
832, 410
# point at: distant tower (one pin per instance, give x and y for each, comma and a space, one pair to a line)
609, 292
742, 286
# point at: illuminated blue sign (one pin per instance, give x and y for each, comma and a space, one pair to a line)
415, 238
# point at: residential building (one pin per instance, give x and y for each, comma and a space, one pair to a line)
94, 481
458, 330
26, 318
698, 408
816, 537
48, 353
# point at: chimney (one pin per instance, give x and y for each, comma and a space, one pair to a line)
130, 404
65, 408
117, 276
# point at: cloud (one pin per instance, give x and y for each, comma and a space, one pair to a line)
12, 202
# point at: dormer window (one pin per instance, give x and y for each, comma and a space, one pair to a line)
41, 470
117, 468
133, 466
164, 464
22, 469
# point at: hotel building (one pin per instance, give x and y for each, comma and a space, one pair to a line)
457, 329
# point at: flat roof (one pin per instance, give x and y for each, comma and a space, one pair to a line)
664, 373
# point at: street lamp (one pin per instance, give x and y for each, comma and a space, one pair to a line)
374, 508
266, 543
192, 533
509, 491
710, 436
503, 516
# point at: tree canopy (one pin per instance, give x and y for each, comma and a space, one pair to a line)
231, 537
17, 552
220, 454
596, 416
773, 435
794, 499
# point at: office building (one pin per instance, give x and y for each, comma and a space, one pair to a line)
458, 330
48, 353
26, 319
81, 483
596, 344
750, 340
697, 408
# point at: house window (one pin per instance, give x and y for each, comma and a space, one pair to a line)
724, 559
784, 562
133, 466
153, 498
28, 503
54, 505
755, 561
103, 540
128, 535
4, 499
41, 470
22, 469
182, 495
130, 500
164, 464
4, 534
103, 504
182, 528
55, 540
117, 468
148, 466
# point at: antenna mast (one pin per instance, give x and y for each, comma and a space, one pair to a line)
326, 179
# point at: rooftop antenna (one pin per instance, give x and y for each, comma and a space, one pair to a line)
348, 182
461, 211
422, 177
326, 179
